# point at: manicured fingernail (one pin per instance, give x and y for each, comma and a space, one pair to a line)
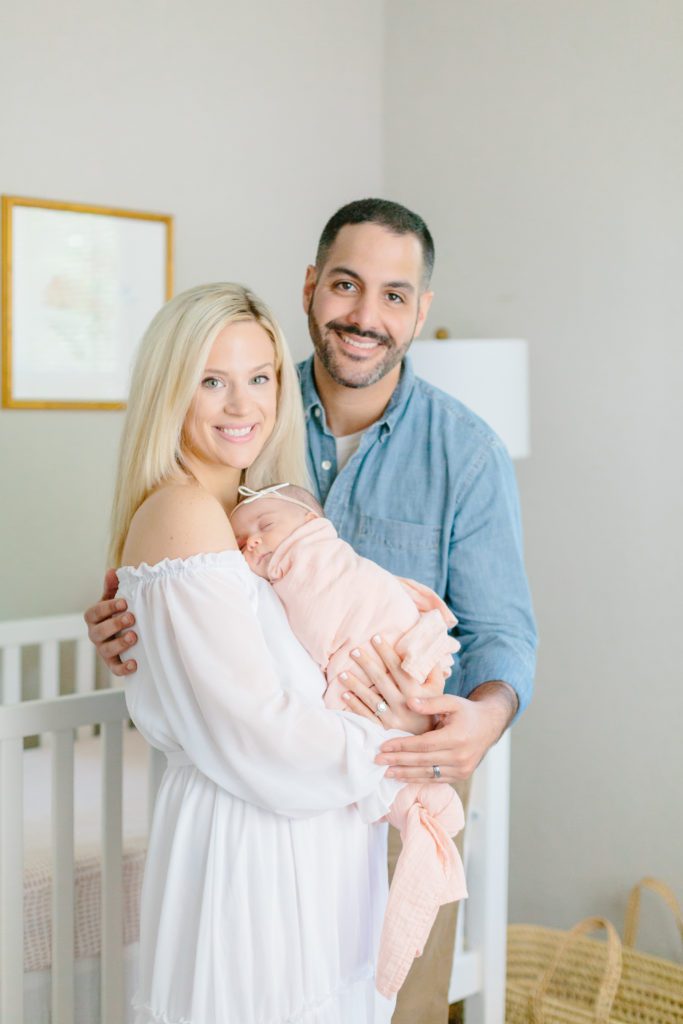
377, 639
381, 760
417, 700
390, 772
343, 675
130, 666
120, 606
355, 653
130, 639
127, 620
346, 696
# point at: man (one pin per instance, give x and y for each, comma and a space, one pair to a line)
415, 481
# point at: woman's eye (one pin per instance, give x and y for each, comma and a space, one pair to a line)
212, 383
260, 378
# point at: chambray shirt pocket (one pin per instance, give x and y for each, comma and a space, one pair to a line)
406, 549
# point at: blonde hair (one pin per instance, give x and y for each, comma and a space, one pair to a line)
167, 371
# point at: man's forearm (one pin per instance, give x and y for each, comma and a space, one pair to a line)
501, 703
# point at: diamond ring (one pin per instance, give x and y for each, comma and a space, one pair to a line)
437, 771
381, 707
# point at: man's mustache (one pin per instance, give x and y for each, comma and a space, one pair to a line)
383, 339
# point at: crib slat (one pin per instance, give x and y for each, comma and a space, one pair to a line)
11, 674
63, 877
85, 676
85, 666
112, 884
12, 881
49, 669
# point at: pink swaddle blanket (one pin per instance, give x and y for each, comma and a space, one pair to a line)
336, 600
429, 873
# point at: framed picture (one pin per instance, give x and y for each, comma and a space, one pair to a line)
79, 286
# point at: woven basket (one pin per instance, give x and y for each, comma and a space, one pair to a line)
557, 977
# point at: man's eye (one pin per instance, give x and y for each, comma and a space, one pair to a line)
345, 286
395, 298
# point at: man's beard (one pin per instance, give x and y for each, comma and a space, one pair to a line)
340, 373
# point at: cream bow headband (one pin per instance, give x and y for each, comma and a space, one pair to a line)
268, 492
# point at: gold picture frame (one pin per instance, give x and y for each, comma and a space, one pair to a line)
79, 285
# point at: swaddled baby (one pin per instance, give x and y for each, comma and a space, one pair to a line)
336, 600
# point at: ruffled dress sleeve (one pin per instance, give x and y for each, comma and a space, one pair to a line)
207, 685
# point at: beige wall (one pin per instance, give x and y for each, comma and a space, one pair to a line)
543, 142
250, 122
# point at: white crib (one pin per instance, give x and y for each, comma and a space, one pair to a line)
65, 727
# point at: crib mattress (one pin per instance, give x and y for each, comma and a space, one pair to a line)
87, 831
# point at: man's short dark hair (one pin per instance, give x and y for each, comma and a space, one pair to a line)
392, 216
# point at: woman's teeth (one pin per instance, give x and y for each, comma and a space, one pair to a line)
236, 431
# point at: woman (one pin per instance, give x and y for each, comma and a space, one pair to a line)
265, 887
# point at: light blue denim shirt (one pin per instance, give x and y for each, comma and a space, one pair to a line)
431, 494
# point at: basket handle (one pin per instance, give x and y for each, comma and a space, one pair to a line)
633, 907
610, 981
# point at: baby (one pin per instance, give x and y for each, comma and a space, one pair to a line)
335, 600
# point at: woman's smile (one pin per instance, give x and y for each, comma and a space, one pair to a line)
238, 435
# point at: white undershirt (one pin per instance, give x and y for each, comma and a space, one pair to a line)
346, 447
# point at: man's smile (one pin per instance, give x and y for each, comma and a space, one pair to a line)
356, 345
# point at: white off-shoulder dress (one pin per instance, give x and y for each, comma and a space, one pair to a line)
265, 886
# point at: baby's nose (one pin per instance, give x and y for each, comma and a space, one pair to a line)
253, 542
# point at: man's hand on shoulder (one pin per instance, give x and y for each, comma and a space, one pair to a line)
466, 729
108, 623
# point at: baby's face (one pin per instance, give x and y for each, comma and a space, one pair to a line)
263, 524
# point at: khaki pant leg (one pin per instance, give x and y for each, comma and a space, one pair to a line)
423, 998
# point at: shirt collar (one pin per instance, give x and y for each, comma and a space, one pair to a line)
394, 409
309, 393
399, 399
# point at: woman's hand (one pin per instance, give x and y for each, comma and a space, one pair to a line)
383, 693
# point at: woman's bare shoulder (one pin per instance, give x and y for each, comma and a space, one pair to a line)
177, 521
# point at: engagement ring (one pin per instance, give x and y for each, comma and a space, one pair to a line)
437, 771
381, 707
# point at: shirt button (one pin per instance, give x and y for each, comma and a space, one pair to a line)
326, 464
316, 412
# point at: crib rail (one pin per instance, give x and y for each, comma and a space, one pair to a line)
46, 634
60, 718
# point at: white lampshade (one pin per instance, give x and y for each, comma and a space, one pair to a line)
491, 377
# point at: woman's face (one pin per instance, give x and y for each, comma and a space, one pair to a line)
233, 412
